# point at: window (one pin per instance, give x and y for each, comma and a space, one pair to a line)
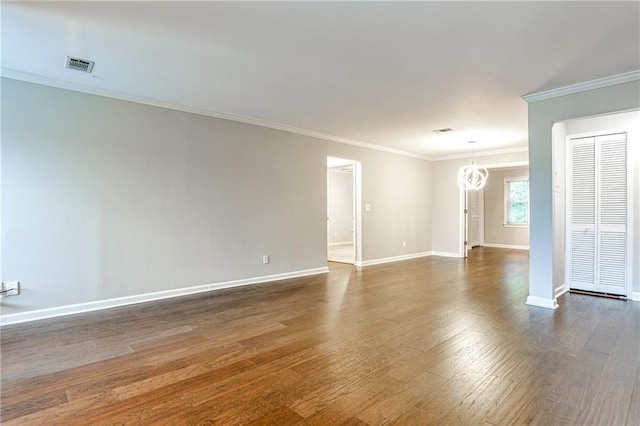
516, 201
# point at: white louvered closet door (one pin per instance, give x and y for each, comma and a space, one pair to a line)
612, 224
583, 214
598, 241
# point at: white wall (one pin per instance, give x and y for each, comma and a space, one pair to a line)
103, 198
629, 121
447, 233
495, 232
340, 206
542, 116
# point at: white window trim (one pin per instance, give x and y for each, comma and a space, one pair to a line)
506, 222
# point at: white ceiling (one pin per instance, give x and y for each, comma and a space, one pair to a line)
383, 73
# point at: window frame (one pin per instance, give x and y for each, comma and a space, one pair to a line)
507, 202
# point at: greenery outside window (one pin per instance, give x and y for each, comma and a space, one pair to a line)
516, 201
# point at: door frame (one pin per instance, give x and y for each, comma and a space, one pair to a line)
356, 208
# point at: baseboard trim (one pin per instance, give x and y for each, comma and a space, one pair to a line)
148, 297
560, 290
542, 302
505, 246
635, 296
392, 259
343, 243
445, 254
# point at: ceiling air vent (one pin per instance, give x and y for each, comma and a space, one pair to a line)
79, 64
445, 130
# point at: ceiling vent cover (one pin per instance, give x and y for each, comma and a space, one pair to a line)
79, 64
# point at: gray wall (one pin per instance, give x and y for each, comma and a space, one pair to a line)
542, 116
103, 198
494, 230
340, 206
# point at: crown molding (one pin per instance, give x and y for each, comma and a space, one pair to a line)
582, 87
481, 153
60, 84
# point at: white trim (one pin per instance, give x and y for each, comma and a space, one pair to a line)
560, 290
342, 243
512, 164
635, 296
445, 254
506, 246
45, 81
482, 154
393, 259
148, 297
582, 87
481, 218
357, 210
542, 302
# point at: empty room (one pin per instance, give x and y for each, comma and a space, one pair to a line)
331, 213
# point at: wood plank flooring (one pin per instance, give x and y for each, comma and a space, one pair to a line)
427, 341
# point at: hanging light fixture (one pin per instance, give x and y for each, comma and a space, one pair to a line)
472, 178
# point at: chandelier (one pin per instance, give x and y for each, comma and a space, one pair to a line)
473, 177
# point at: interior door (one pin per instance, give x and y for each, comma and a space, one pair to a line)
598, 214
474, 218
611, 150
583, 214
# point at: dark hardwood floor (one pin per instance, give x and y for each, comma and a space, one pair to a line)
427, 341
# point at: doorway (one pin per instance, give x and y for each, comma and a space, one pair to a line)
598, 213
343, 177
485, 219
475, 220
609, 271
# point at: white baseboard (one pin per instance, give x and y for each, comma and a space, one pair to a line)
343, 243
392, 259
542, 302
505, 246
148, 297
560, 290
445, 254
635, 296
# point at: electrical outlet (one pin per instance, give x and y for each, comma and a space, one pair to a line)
11, 288
404, 244
265, 259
